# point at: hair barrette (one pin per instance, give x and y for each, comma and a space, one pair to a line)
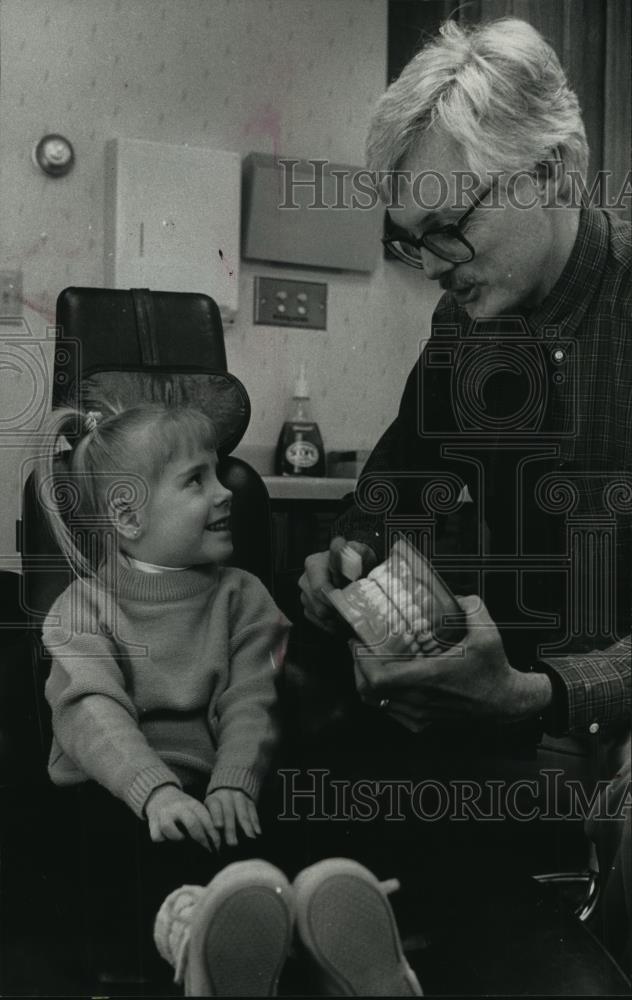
92, 419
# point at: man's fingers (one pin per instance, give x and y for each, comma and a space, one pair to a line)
405, 644
312, 598
413, 717
414, 725
364, 685
309, 588
477, 614
336, 546
326, 621
316, 604
420, 708
473, 605
316, 575
374, 673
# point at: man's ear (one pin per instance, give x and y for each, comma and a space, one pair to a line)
127, 521
550, 173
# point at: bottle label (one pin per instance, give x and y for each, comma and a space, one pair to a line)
302, 454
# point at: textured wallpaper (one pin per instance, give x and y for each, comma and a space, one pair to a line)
297, 77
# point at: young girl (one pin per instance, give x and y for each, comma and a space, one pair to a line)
162, 684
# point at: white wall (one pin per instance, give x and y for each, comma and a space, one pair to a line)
297, 77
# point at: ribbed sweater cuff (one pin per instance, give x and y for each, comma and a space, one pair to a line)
145, 783
235, 777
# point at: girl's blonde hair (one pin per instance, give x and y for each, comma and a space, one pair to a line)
497, 89
114, 458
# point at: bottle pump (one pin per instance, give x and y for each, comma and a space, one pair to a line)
300, 449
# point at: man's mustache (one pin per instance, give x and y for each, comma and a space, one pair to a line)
448, 285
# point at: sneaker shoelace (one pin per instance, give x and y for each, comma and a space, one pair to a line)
389, 886
172, 929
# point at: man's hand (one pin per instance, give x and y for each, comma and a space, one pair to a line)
230, 808
173, 815
323, 573
471, 680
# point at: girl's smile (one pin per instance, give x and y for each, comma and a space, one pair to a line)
186, 521
223, 524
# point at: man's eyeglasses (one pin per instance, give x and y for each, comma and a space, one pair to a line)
446, 242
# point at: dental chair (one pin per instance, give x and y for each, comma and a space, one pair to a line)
136, 345
126, 347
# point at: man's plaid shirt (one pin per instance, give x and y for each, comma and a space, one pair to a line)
569, 372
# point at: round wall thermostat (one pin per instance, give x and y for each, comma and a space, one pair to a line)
54, 155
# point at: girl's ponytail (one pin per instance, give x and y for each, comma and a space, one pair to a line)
64, 494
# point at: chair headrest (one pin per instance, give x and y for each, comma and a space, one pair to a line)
218, 394
129, 346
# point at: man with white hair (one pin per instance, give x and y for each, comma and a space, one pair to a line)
520, 404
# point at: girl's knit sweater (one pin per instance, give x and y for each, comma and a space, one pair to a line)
164, 678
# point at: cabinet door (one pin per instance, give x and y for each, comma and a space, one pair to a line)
172, 219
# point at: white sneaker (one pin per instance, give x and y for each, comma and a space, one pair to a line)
230, 938
348, 928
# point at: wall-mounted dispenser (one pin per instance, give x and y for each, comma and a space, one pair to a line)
309, 212
172, 219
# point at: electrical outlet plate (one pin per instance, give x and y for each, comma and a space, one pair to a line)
286, 302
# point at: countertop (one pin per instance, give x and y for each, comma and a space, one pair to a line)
307, 487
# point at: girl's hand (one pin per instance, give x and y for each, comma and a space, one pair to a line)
229, 808
173, 815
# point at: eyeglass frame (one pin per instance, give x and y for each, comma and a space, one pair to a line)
452, 228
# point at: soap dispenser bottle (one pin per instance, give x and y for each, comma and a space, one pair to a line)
300, 449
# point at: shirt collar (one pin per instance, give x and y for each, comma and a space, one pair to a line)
572, 292
146, 567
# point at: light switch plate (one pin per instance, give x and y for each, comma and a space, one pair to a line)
286, 302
